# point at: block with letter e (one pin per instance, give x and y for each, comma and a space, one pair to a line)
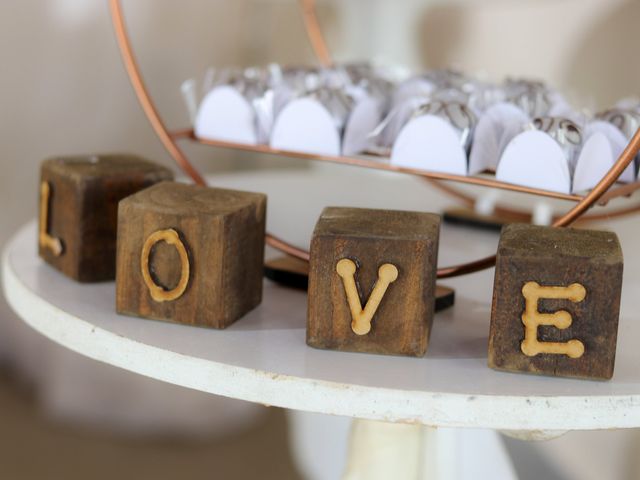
79, 198
372, 280
189, 254
556, 302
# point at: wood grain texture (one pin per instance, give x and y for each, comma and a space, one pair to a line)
371, 238
84, 192
223, 233
583, 261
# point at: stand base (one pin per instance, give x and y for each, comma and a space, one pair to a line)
380, 451
326, 447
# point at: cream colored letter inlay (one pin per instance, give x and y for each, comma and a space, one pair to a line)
532, 319
46, 240
361, 319
158, 293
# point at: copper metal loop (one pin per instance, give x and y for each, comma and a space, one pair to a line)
314, 32
601, 193
140, 89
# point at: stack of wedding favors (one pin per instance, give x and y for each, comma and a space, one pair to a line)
441, 121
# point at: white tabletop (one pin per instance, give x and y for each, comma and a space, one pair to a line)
263, 357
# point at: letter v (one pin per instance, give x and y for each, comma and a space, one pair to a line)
361, 319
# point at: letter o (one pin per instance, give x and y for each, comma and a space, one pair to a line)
157, 292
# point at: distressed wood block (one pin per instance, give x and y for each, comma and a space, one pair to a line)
79, 198
372, 281
556, 302
189, 254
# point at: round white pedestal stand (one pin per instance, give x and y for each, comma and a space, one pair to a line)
263, 357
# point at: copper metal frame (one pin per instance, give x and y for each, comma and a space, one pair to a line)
602, 193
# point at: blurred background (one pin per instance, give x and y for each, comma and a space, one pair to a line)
64, 90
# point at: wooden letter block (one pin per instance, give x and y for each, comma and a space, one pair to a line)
189, 254
372, 281
556, 302
79, 206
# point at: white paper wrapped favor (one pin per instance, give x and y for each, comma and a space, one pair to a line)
440, 121
305, 125
413, 88
495, 129
430, 143
365, 115
617, 142
226, 115
594, 161
534, 159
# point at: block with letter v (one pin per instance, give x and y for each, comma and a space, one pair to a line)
372, 281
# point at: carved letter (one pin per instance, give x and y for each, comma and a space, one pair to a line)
361, 319
46, 240
158, 293
532, 319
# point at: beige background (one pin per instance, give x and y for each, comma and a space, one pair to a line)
64, 90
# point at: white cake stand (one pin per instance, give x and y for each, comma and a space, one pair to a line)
263, 357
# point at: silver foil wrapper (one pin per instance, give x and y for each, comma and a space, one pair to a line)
455, 113
627, 120
533, 97
564, 131
337, 102
257, 86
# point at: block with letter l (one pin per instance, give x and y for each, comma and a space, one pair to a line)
556, 302
372, 281
190, 254
79, 198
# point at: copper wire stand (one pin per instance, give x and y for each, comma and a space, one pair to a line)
602, 193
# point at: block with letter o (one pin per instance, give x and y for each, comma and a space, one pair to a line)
190, 254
